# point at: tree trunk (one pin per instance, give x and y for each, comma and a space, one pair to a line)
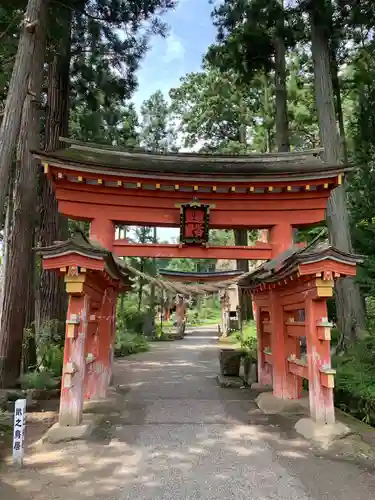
282, 126
52, 301
267, 115
17, 92
6, 238
19, 261
29, 345
350, 311
140, 289
338, 103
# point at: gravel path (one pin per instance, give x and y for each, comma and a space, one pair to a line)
178, 436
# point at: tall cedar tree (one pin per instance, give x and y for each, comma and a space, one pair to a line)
17, 92
110, 68
349, 304
91, 72
20, 262
251, 37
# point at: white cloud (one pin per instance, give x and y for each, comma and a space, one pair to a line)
174, 49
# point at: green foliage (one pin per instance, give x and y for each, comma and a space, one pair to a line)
109, 39
355, 382
130, 319
10, 17
38, 380
130, 343
205, 314
157, 132
112, 123
162, 333
245, 35
247, 340
49, 347
212, 107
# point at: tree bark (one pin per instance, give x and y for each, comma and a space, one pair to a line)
282, 125
350, 311
6, 238
29, 344
52, 301
338, 103
17, 92
20, 259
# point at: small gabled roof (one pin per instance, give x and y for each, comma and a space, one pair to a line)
289, 261
78, 243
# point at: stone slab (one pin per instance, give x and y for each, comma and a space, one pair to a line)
322, 434
230, 382
57, 434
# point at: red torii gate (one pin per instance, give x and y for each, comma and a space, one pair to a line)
108, 186
220, 276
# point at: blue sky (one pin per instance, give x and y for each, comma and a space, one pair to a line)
190, 33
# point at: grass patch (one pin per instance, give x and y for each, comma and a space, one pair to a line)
130, 343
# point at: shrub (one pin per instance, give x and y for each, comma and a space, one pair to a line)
38, 380
249, 347
355, 381
130, 343
54, 359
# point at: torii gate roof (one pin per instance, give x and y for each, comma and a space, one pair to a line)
137, 187
255, 166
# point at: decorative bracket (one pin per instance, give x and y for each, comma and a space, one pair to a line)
72, 325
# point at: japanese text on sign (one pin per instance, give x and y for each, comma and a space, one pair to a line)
19, 431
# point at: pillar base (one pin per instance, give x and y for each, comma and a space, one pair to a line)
58, 433
322, 434
272, 405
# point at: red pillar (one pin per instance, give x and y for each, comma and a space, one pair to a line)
103, 232
319, 362
293, 387
72, 384
281, 238
278, 343
264, 370
99, 371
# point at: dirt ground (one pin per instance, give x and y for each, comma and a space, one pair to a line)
38, 421
171, 433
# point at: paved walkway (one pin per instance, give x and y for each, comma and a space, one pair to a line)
177, 436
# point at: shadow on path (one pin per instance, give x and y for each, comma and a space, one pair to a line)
175, 434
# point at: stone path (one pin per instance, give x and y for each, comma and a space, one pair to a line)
177, 436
